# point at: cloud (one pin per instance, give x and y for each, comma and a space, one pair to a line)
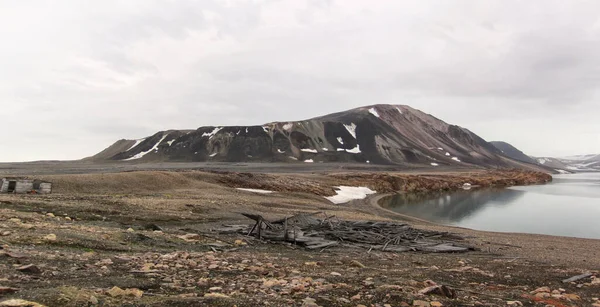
86, 74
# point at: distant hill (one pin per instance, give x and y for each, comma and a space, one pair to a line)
512, 152
381, 134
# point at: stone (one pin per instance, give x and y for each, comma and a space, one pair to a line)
6, 233
215, 289
239, 242
335, 274
421, 303
216, 296
539, 290
572, 297
20, 303
356, 297
130, 230
357, 264
51, 237
311, 263
436, 304
360, 305
543, 295
514, 303
93, 300
30, 268
118, 292
50, 214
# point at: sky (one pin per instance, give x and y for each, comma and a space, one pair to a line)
76, 76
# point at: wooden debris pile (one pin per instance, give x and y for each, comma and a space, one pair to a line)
316, 233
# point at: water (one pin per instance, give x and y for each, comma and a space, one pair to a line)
569, 206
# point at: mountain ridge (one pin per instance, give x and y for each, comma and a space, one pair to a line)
381, 134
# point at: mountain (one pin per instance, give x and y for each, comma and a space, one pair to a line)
381, 134
513, 153
583, 163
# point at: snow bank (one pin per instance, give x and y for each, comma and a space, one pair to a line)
346, 194
456, 159
434, 164
309, 150
255, 191
309, 161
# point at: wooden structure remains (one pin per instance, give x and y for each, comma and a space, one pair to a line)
306, 230
24, 186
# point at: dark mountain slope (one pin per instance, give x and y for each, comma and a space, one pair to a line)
513, 153
383, 134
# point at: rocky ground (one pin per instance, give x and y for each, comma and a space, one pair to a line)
145, 239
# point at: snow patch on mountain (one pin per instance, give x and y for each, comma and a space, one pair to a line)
211, 134
137, 142
374, 112
351, 129
142, 154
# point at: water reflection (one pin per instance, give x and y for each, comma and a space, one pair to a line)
569, 206
449, 208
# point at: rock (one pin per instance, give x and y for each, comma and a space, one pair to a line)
357, 264
572, 297
6, 233
335, 274
343, 300
130, 230
51, 237
118, 292
421, 303
309, 302
70, 219
93, 300
216, 296
439, 290
436, 304
543, 295
190, 237
50, 214
514, 303
30, 268
542, 289
20, 303
6, 290
311, 263
356, 297
596, 305
360, 305
215, 289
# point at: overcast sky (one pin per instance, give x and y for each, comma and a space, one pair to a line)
75, 76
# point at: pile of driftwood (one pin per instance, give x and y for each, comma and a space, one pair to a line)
316, 233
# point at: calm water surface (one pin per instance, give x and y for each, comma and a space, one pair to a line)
569, 206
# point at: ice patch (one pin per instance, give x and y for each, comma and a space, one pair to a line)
309, 161
399, 110
448, 154
211, 134
341, 149
155, 147
455, 159
288, 126
213, 154
340, 140
280, 151
368, 161
171, 142
355, 150
346, 194
374, 112
351, 129
440, 149
255, 191
137, 142
309, 150
325, 149
434, 164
